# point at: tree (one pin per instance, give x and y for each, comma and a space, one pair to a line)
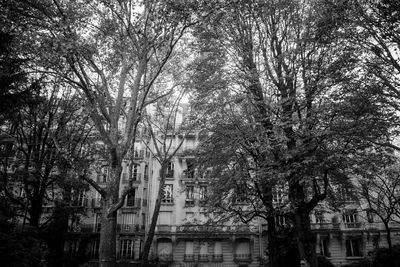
294, 82
14, 83
380, 190
112, 53
166, 137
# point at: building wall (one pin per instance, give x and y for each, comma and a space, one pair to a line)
184, 219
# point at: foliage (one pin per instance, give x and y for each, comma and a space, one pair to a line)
296, 110
383, 257
14, 84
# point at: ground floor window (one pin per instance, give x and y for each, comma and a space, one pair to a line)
242, 251
164, 249
94, 249
324, 247
126, 249
353, 248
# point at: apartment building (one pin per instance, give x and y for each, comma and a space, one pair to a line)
183, 238
184, 234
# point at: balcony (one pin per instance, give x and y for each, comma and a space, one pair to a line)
353, 225
217, 258
203, 257
86, 228
164, 228
185, 175
188, 257
132, 205
123, 256
169, 174
325, 226
136, 179
242, 257
129, 228
138, 154
165, 257
189, 202
169, 201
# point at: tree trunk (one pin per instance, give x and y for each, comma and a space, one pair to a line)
388, 237
272, 244
305, 238
35, 211
108, 234
154, 218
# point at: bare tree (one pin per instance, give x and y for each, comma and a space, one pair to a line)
381, 192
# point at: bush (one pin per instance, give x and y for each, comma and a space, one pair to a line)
324, 262
383, 258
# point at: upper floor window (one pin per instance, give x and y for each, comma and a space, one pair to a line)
146, 172
350, 218
190, 170
130, 199
203, 192
319, 217
370, 216
189, 192
168, 194
170, 170
279, 195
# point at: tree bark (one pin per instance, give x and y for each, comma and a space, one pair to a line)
272, 244
305, 238
108, 234
154, 218
388, 237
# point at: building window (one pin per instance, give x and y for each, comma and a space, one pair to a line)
97, 222
134, 173
353, 248
104, 174
240, 194
124, 177
146, 172
350, 219
324, 247
189, 195
164, 249
168, 194
217, 256
189, 251
279, 195
79, 198
203, 255
126, 221
170, 170
242, 251
203, 192
144, 197
72, 247
370, 216
126, 249
94, 249
189, 172
319, 217
130, 199
347, 194
280, 220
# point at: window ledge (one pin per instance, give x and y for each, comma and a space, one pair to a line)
354, 257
